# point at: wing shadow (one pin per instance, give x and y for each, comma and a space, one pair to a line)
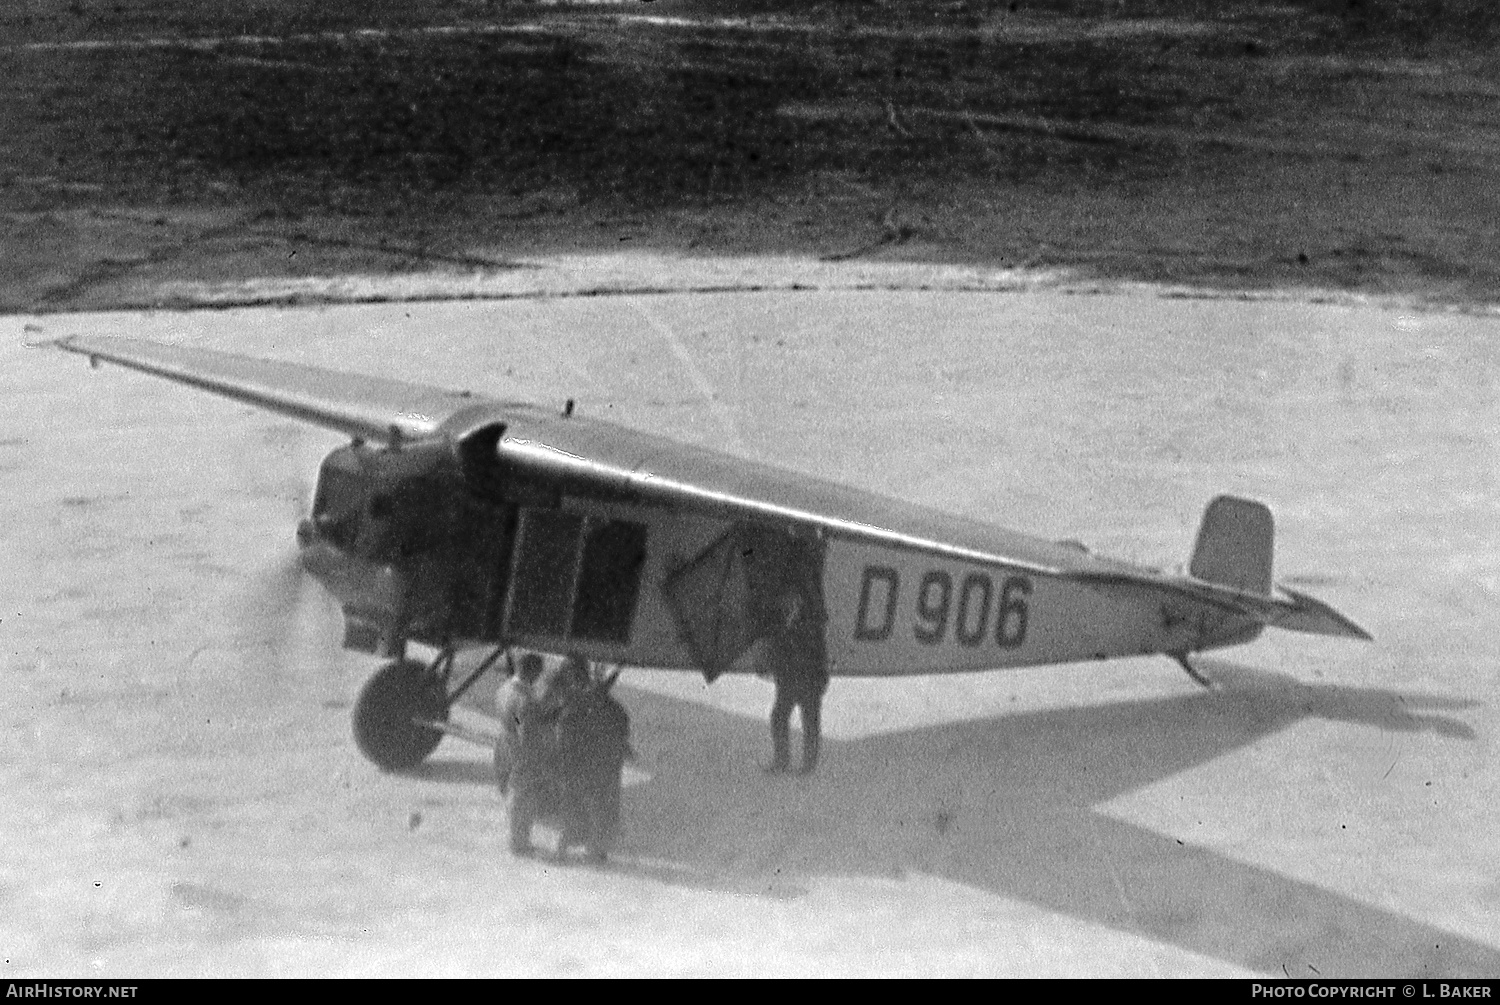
1007, 805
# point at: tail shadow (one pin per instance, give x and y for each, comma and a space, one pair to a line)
1007, 804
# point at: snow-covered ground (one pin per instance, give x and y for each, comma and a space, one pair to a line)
182, 796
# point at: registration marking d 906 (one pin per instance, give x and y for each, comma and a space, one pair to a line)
972, 609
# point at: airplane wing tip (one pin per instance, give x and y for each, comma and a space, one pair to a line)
61, 342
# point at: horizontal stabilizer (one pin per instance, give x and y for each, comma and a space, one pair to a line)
1293, 610
1308, 614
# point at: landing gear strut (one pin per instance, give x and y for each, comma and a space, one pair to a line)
402, 712
1182, 661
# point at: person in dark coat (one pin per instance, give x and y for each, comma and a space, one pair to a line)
784, 576
795, 653
593, 742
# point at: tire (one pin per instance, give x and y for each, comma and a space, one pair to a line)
383, 728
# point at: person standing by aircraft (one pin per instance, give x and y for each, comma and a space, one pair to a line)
593, 743
527, 740
798, 662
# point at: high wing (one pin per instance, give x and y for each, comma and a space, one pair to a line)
594, 458
368, 408
585, 456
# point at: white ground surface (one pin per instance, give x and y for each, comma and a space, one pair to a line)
182, 798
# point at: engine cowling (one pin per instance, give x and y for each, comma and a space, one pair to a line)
381, 519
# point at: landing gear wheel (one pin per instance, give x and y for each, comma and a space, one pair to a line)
384, 726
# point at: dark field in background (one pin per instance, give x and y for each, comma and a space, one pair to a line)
1347, 145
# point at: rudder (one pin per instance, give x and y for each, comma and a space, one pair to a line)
1235, 546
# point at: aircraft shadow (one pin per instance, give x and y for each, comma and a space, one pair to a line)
1007, 805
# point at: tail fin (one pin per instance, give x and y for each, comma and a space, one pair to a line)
1235, 545
1230, 577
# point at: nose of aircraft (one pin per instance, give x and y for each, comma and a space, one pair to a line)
314, 554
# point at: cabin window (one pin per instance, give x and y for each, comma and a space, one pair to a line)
546, 565
609, 577
576, 577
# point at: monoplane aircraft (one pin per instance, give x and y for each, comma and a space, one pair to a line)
455, 520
